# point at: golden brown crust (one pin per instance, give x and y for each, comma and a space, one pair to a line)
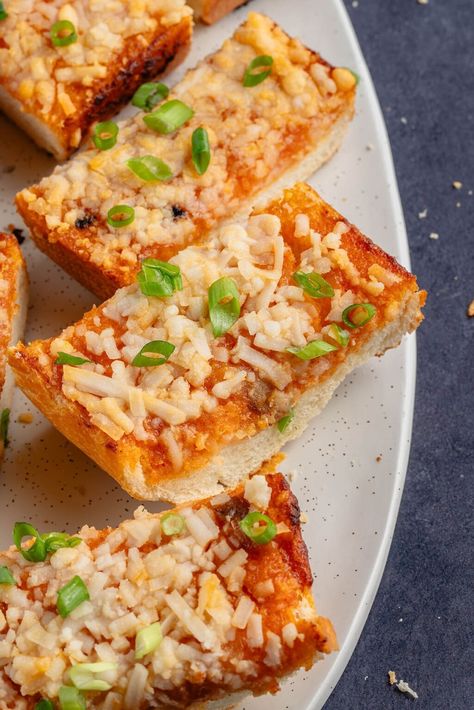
210, 11
142, 466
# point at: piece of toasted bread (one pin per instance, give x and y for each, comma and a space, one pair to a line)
287, 125
13, 307
235, 616
210, 11
208, 416
55, 93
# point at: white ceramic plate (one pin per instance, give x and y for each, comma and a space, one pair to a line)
350, 496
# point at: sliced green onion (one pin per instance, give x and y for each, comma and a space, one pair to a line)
224, 305
3, 12
63, 33
4, 422
6, 576
56, 540
313, 284
147, 640
67, 359
252, 78
155, 346
45, 705
169, 117
201, 150
284, 422
148, 95
71, 698
338, 334
172, 524
358, 315
37, 551
258, 527
159, 278
120, 216
105, 135
82, 675
44, 544
149, 168
313, 349
71, 596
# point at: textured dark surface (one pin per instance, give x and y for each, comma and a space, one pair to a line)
422, 61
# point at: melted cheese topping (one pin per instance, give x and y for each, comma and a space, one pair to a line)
54, 81
250, 367
256, 134
199, 585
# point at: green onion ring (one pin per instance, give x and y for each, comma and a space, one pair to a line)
37, 551
258, 527
58, 36
149, 168
201, 150
67, 359
72, 595
369, 309
252, 78
169, 117
155, 346
125, 214
312, 350
105, 135
224, 305
148, 95
172, 524
313, 284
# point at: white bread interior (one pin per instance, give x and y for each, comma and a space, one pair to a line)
39, 131
236, 460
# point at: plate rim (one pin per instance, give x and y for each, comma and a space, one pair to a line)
323, 692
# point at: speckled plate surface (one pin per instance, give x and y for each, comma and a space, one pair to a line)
350, 465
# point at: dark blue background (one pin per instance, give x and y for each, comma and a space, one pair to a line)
422, 61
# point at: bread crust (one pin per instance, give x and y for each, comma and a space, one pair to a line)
241, 431
141, 59
210, 11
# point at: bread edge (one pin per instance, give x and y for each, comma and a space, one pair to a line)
17, 329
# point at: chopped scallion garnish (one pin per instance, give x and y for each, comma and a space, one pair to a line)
71, 596
149, 168
251, 77
83, 675
358, 314
147, 640
6, 576
155, 346
71, 698
313, 284
172, 524
169, 117
120, 216
56, 540
4, 422
313, 349
43, 545
201, 150
67, 359
284, 422
338, 334
3, 12
159, 278
148, 95
224, 305
258, 527
105, 135
35, 552
45, 704
63, 33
